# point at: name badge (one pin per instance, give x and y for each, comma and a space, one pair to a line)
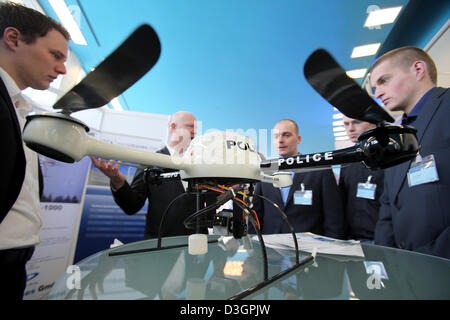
303, 197
422, 170
366, 190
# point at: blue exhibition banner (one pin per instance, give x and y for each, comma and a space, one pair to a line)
64, 184
103, 221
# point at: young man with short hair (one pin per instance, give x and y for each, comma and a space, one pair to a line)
33, 50
414, 213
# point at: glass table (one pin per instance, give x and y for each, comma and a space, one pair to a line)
233, 269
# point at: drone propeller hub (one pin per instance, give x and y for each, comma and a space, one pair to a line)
57, 136
387, 146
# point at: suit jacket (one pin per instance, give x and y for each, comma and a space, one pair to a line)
418, 218
12, 161
361, 214
325, 216
132, 197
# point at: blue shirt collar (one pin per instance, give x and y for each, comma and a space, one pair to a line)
416, 110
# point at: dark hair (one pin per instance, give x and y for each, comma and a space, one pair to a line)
404, 57
31, 23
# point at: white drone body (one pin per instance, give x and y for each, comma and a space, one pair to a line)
218, 155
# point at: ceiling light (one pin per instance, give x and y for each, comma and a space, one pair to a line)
382, 16
341, 134
68, 21
357, 73
338, 123
338, 129
233, 268
341, 138
337, 116
365, 50
116, 104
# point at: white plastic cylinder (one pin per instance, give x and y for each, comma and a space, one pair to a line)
198, 244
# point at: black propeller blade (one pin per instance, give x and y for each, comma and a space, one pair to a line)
119, 71
330, 80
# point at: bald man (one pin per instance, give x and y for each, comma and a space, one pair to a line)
361, 189
131, 197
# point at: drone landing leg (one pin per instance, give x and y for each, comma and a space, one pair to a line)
281, 274
120, 253
264, 283
198, 209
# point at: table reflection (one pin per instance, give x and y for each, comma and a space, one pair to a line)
232, 266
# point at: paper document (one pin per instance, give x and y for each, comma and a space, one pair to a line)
311, 242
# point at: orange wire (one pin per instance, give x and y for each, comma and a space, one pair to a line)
254, 213
221, 191
212, 188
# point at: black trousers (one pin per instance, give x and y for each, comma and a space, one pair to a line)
13, 274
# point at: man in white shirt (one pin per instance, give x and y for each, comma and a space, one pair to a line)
33, 50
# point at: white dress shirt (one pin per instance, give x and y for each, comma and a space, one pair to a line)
21, 226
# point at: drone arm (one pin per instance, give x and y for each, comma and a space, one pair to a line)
66, 139
102, 149
316, 161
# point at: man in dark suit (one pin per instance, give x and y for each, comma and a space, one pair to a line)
131, 197
322, 213
361, 189
415, 204
33, 50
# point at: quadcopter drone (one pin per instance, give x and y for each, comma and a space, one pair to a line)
220, 156
217, 161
